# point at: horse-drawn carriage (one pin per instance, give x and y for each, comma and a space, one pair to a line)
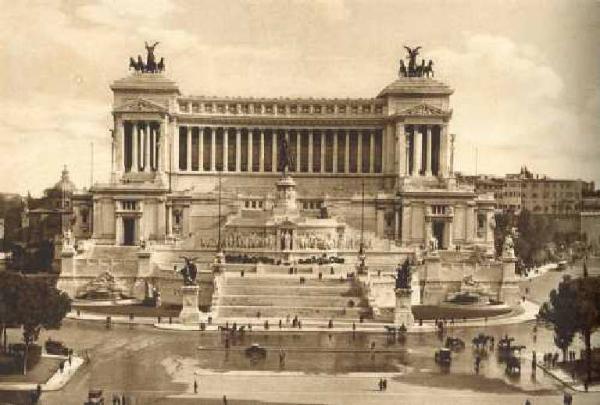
454, 344
513, 366
443, 357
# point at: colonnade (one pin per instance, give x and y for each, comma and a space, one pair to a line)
425, 150
313, 150
141, 146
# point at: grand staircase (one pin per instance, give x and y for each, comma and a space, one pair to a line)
281, 296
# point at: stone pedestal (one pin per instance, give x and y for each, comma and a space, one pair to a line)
403, 311
144, 268
218, 265
286, 197
190, 314
509, 287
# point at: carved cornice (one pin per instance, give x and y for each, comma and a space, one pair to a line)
141, 105
424, 110
279, 121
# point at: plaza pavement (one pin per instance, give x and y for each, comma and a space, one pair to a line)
527, 313
56, 382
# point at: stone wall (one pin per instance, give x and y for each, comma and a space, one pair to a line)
590, 226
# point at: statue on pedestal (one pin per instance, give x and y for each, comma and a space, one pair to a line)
508, 247
189, 271
285, 158
403, 276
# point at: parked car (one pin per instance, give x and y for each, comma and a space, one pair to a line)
443, 356
256, 352
95, 397
56, 347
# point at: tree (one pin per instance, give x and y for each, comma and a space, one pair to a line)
9, 284
39, 306
588, 314
575, 307
559, 312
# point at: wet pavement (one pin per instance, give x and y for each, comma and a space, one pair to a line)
158, 367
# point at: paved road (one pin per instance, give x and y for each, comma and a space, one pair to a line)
158, 367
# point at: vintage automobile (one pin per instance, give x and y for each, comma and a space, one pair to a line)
454, 344
256, 352
56, 347
95, 397
443, 357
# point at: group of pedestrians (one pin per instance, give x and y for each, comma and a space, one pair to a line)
382, 384
120, 399
550, 359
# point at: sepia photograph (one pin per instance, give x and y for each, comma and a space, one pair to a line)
299, 202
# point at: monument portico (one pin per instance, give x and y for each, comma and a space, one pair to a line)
284, 178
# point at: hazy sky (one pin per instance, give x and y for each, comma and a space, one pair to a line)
526, 73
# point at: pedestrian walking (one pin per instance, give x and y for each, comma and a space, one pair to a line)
527, 402
385, 384
224, 400
567, 398
195, 386
116, 400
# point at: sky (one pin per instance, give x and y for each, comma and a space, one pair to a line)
526, 73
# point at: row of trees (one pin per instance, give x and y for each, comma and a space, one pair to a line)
574, 308
32, 304
535, 232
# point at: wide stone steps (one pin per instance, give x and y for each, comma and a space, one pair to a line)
287, 301
286, 290
285, 281
245, 311
277, 297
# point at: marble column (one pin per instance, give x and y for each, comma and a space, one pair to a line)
188, 132
298, 150
261, 156
119, 230
169, 221
417, 151
225, 149
120, 152
200, 149
443, 156
372, 151
162, 147
249, 160
335, 150
451, 168
175, 146
213, 149
274, 152
359, 151
401, 149
323, 136
429, 137
153, 156
450, 238
396, 224
310, 150
134, 147
347, 153
238, 149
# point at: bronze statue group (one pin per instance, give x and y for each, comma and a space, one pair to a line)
150, 66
